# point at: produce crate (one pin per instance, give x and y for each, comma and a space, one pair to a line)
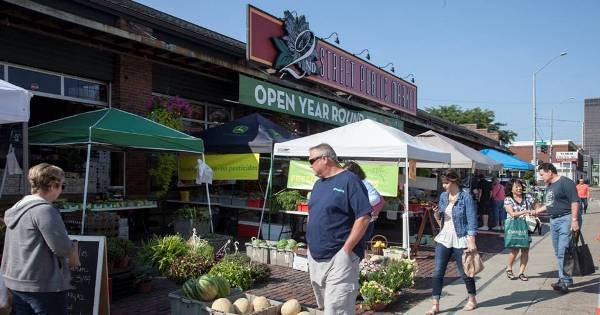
285, 258
300, 262
249, 250
260, 254
273, 310
180, 305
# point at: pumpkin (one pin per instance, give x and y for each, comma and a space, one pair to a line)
223, 305
291, 307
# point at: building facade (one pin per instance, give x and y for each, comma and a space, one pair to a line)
567, 157
591, 136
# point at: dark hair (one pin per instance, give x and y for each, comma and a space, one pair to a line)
510, 184
356, 169
547, 167
452, 177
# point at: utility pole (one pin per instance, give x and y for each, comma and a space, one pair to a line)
551, 135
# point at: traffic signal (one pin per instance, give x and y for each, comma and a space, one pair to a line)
544, 148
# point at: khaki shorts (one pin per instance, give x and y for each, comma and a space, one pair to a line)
335, 282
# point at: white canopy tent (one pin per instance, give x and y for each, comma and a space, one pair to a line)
461, 156
14, 108
370, 140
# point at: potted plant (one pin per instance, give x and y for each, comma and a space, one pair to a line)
143, 278
287, 200
189, 218
376, 296
118, 252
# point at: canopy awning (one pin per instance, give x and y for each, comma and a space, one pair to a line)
113, 127
366, 139
461, 155
508, 161
14, 103
252, 133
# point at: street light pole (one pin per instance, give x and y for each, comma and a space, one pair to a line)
534, 108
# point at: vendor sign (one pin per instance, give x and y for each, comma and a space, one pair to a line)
224, 166
383, 176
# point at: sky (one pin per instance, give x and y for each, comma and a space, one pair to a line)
464, 52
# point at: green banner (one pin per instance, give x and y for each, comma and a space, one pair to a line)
280, 99
383, 176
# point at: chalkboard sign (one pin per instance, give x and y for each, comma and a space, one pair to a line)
90, 282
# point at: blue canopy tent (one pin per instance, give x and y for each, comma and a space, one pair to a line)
509, 162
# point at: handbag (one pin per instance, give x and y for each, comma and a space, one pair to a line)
578, 260
516, 233
532, 222
472, 263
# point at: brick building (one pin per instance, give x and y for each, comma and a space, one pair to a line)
566, 156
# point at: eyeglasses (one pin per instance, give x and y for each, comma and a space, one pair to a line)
313, 160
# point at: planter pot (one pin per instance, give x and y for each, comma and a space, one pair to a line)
145, 286
184, 195
303, 207
378, 307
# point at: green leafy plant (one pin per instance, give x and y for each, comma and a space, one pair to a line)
193, 213
375, 293
167, 111
238, 276
118, 248
260, 272
287, 200
238, 258
143, 272
395, 274
198, 246
160, 252
189, 266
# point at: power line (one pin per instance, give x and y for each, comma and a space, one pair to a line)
491, 102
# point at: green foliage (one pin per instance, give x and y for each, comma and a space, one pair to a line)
484, 118
162, 173
395, 274
238, 258
238, 276
288, 199
193, 213
374, 293
189, 266
198, 246
117, 248
260, 272
160, 252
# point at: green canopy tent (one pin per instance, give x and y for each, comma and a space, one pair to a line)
111, 127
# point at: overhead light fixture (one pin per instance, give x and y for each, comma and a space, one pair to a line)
340, 93
389, 64
337, 38
409, 75
364, 50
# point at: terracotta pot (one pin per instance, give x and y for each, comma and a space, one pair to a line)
145, 286
378, 307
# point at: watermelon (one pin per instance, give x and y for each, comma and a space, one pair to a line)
223, 286
188, 288
206, 288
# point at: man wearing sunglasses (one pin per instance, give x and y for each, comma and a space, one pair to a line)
339, 214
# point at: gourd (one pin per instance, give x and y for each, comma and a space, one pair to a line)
243, 306
291, 307
223, 305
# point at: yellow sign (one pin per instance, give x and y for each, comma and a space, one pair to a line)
224, 166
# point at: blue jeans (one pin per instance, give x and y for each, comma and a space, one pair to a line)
42, 303
499, 211
583, 205
561, 236
442, 257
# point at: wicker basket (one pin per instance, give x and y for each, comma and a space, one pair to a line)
377, 250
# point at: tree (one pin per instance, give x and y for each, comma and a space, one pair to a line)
484, 118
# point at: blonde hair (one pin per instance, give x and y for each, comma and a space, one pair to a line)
43, 176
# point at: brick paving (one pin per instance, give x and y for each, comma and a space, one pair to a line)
286, 283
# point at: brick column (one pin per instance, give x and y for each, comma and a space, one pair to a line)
132, 88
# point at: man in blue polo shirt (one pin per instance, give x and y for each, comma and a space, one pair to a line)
562, 204
339, 214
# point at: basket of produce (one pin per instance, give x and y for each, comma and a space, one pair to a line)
377, 244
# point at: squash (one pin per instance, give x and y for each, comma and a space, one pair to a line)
260, 303
291, 307
243, 306
223, 305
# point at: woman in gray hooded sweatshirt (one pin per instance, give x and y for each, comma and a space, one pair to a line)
36, 246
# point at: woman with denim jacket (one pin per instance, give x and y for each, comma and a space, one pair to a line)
458, 218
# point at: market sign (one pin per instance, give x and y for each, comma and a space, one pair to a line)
224, 166
280, 99
566, 156
289, 46
383, 176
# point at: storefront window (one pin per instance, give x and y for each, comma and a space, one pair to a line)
218, 115
85, 90
34, 81
1, 72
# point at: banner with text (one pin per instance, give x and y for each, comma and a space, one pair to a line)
280, 99
233, 166
383, 176
188, 167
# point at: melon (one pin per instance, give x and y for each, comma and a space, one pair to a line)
188, 288
223, 305
243, 306
223, 287
260, 303
291, 307
207, 289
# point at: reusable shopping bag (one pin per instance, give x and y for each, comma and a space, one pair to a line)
578, 260
515, 233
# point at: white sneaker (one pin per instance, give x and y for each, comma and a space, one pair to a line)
497, 228
484, 227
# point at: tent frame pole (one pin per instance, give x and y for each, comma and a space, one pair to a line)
405, 221
24, 182
124, 174
267, 195
210, 217
85, 187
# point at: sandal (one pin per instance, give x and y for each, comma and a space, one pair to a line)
434, 310
510, 274
470, 306
523, 277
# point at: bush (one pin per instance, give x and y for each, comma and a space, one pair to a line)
238, 276
160, 252
238, 258
117, 248
260, 272
187, 267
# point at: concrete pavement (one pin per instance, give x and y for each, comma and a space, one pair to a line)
497, 294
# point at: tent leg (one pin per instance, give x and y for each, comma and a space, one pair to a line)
5, 171
268, 190
124, 174
25, 184
85, 186
405, 223
212, 229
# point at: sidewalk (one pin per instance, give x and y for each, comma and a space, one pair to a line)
497, 294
